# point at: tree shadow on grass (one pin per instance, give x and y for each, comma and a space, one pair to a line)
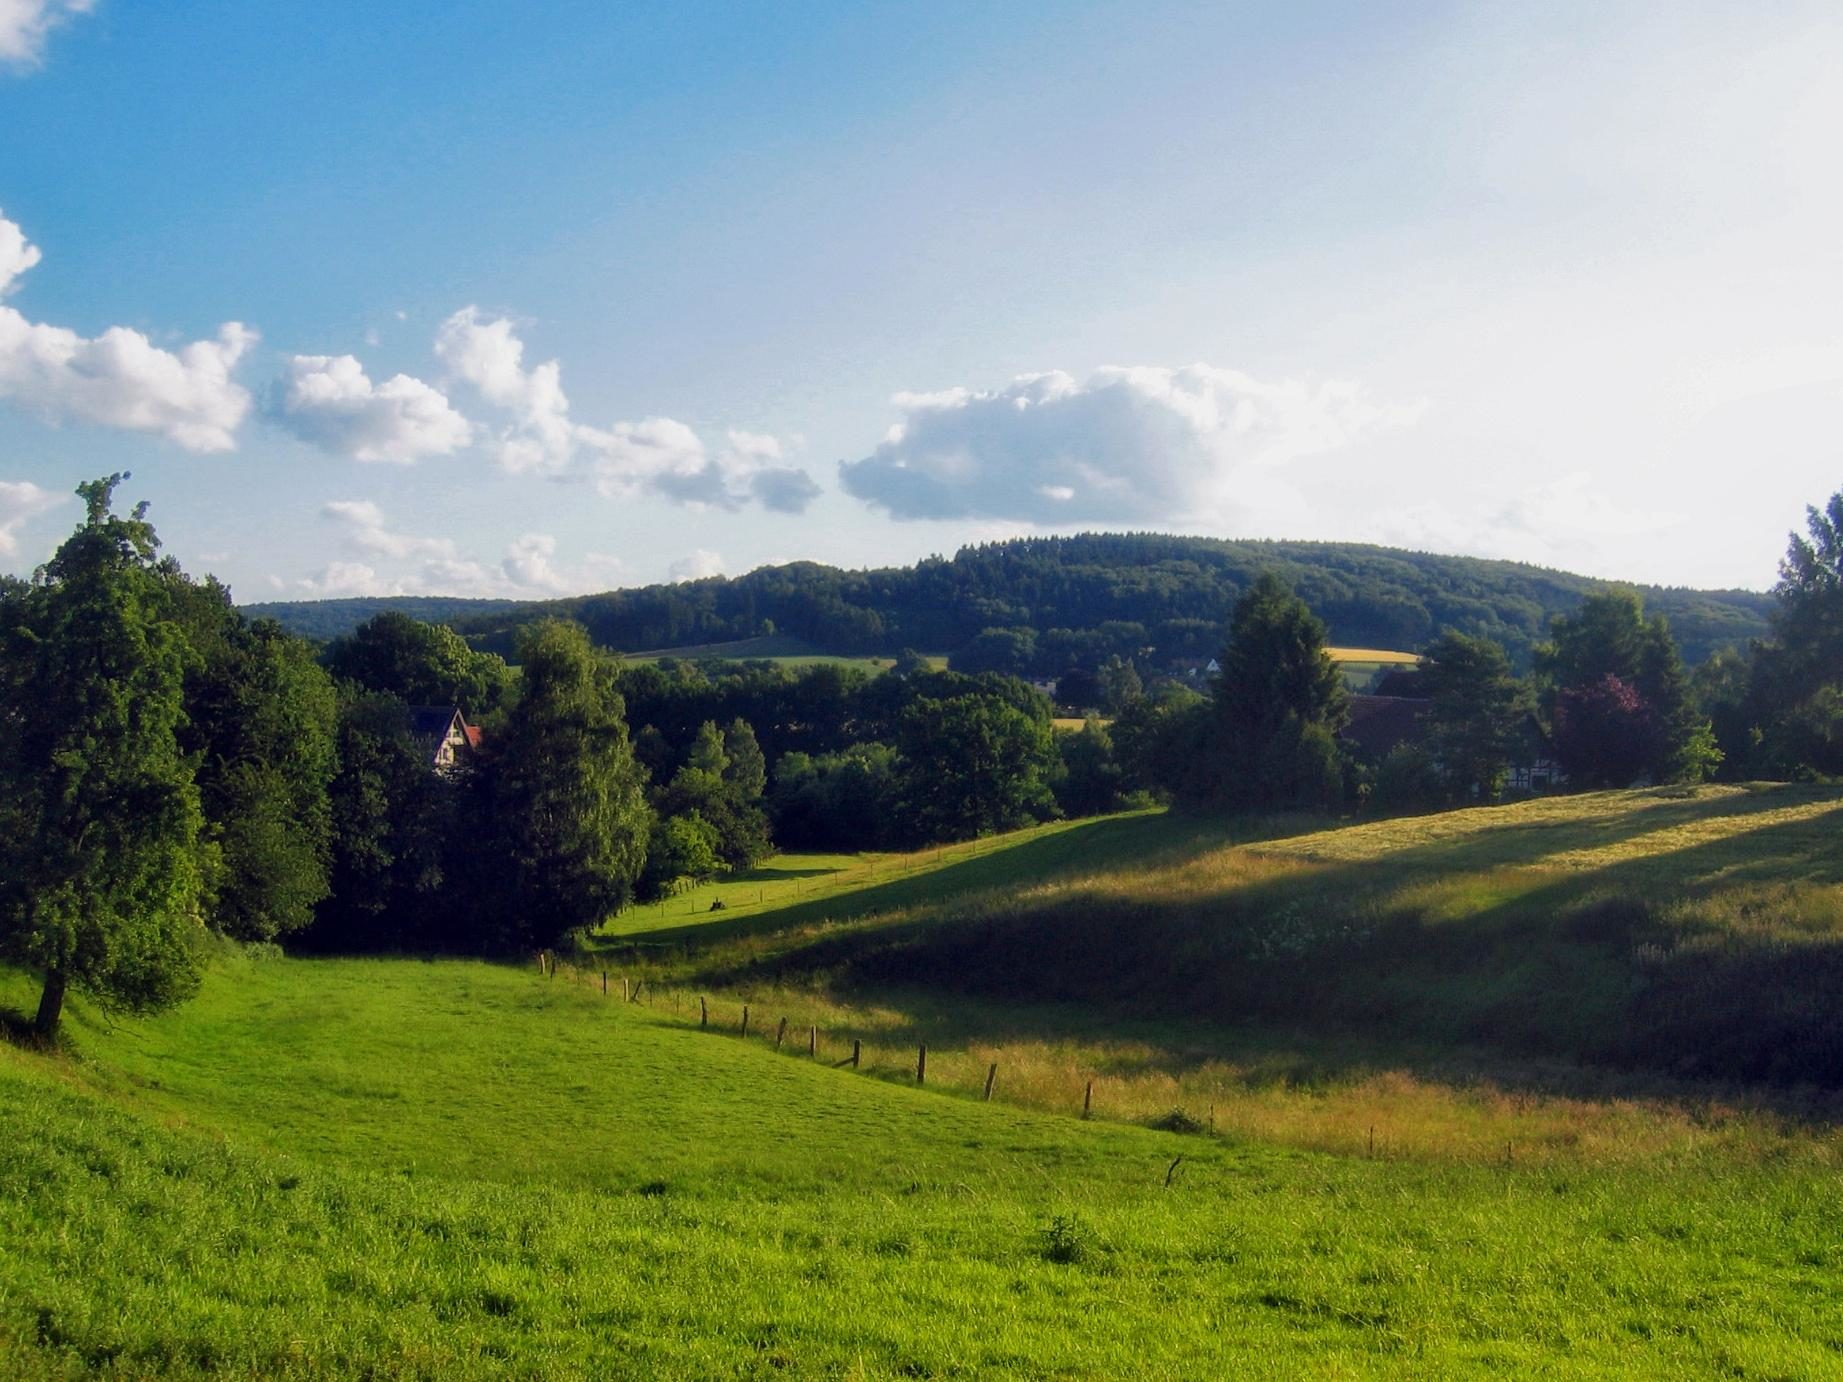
1609, 967
1086, 846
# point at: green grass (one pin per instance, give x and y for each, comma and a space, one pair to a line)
790, 890
399, 1168
453, 1169
779, 648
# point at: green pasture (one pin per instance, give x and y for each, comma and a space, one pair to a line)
402, 1168
446, 1168
788, 890
778, 648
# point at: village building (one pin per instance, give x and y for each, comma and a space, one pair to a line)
442, 732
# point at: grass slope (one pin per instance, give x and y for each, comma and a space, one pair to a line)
395, 1168
1692, 932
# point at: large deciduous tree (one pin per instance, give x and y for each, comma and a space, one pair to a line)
262, 716
973, 764
1475, 714
568, 797
1279, 703
102, 878
1610, 637
422, 664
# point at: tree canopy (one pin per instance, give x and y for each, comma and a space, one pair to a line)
103, 876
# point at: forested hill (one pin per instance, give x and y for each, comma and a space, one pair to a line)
324, 619
1111, 592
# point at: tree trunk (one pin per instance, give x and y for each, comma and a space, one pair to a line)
50, 1005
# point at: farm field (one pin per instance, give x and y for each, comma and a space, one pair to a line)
452, 1168
780, 648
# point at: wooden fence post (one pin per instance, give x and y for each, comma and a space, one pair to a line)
780, 1034
638, 985
857, 1049
990, 1075
626, 993
745, 1019
604, 983
921, 1065
812, 1040
1087, 1099
703, 1013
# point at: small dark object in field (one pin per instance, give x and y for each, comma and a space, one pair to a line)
654, 1188
717, 905
1065, 1239
1177, 1121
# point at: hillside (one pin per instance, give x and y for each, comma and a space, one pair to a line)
326, 619
405, 1168
1668, 933
1121, 592
401, 1169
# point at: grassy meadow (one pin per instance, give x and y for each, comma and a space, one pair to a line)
450, 1168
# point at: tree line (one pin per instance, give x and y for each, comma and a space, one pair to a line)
1040, 607
174, 769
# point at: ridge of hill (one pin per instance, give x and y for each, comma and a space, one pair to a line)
327, 619
1169, 593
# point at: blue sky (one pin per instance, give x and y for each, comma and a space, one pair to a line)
521, 300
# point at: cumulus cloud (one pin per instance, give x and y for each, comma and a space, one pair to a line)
25, 23
20, 502
438, 565
655, 456
120, 378
363, 528
700, 565
1129, 444
329, 402
490, 356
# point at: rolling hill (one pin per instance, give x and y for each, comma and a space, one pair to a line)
1118, 591
411, 1168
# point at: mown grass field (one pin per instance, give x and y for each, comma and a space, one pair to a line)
780, 648
447, 1168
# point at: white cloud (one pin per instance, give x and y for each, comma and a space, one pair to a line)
490, 356
20, 502
25, 23
1142, 444
120, 378
700, 565
328, 401
17, 254
655, 456
363, 528
438, 566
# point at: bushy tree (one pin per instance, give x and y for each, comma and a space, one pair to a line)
1119, 684
262, 715
1475, 714
568, 802
1610, 637
420, 664
1279, 702
681, 850
1605, 733
973, 764
842, 801
721, 783
1090, 781
1010, 651
411, 856
102, 876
